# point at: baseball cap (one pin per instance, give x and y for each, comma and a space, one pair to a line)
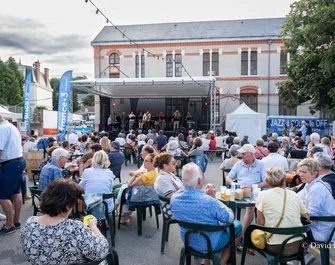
247, 148
316, 149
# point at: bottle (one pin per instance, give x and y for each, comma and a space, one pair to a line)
232, 193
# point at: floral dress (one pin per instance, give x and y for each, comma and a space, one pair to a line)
68, 242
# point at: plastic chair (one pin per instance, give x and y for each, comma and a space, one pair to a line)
36, 175
224, 171
292, 232
167, 221
112, 259
324, 250
35, 199
116, 169
200, 229
110, 217
140, 212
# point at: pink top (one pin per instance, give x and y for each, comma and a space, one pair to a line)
261, 152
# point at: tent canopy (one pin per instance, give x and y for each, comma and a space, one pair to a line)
245, 121
10, 115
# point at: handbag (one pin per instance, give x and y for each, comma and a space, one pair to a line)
260, 238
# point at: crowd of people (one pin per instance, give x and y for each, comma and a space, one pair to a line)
87, 164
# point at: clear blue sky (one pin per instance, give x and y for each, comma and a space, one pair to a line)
58, 33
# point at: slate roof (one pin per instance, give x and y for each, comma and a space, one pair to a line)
197, 31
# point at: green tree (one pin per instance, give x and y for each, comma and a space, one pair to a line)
76, 105
54, 83
310, 40
88, 100
11, 83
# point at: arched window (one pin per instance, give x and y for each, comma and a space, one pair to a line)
249, 95
114, 58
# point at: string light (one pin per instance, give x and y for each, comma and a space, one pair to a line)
116, 29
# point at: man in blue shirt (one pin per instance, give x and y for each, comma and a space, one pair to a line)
161, 140
193, 205
247, 172
54, 169
12, 165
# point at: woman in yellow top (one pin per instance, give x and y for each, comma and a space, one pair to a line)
148, 178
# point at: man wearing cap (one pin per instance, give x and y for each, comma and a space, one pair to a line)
12, 165
53, 170
247, 172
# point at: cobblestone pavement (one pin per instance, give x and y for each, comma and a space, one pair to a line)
131, 248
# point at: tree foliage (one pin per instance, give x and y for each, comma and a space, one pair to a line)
309, 32
54, 82
11, 83
88, 100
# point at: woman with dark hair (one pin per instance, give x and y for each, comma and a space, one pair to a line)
293, 127
196, 149
298, 151
55, 239
166, 183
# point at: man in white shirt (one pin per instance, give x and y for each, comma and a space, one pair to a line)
73, 138
274, 159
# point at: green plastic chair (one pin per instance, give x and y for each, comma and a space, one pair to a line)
35, 199
187, 252
36, 175
292, 232
224, 171
167, 221
140, 212
324, 251
112, 259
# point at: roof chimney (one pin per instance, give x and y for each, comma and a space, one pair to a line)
46, 76
37, 65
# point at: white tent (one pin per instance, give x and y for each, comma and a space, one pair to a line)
245, 121
10, 115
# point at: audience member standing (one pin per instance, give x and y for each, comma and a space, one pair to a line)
176, 119
12, 165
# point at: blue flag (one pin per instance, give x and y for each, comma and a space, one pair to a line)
64, 101
26, 106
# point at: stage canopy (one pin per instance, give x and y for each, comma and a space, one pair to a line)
147, 87
10, 115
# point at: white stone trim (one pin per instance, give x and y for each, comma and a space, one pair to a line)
220, 51
238, 91
239, 50
121, 56
259, 50
201, 51
134, 54
164, 54
259, 90
278, 49
183, 52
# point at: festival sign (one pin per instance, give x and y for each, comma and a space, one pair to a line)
26, 103
64, 101
275, 124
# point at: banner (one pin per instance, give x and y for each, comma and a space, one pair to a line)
64, 101
26, 103
275, 124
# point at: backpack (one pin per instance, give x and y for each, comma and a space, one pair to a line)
330, 179
128, 149
201, 161
42, 144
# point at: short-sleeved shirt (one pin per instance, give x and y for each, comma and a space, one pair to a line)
10, 141
194, 206
270, 202
49, 173
149, 177
68, 242
248, 175
167, 183
275, 160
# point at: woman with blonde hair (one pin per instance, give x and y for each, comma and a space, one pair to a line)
104, 142
98, 179
280, 207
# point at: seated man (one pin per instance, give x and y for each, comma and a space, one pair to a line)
115, 156
193, 205
53, 170
248, 171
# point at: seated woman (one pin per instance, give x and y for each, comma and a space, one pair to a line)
261, 150
270, 205
196, 148
145, 179
55, 239
166, 183
98, 179
317, 194
230, 162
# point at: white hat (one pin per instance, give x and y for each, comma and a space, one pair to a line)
247, 148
